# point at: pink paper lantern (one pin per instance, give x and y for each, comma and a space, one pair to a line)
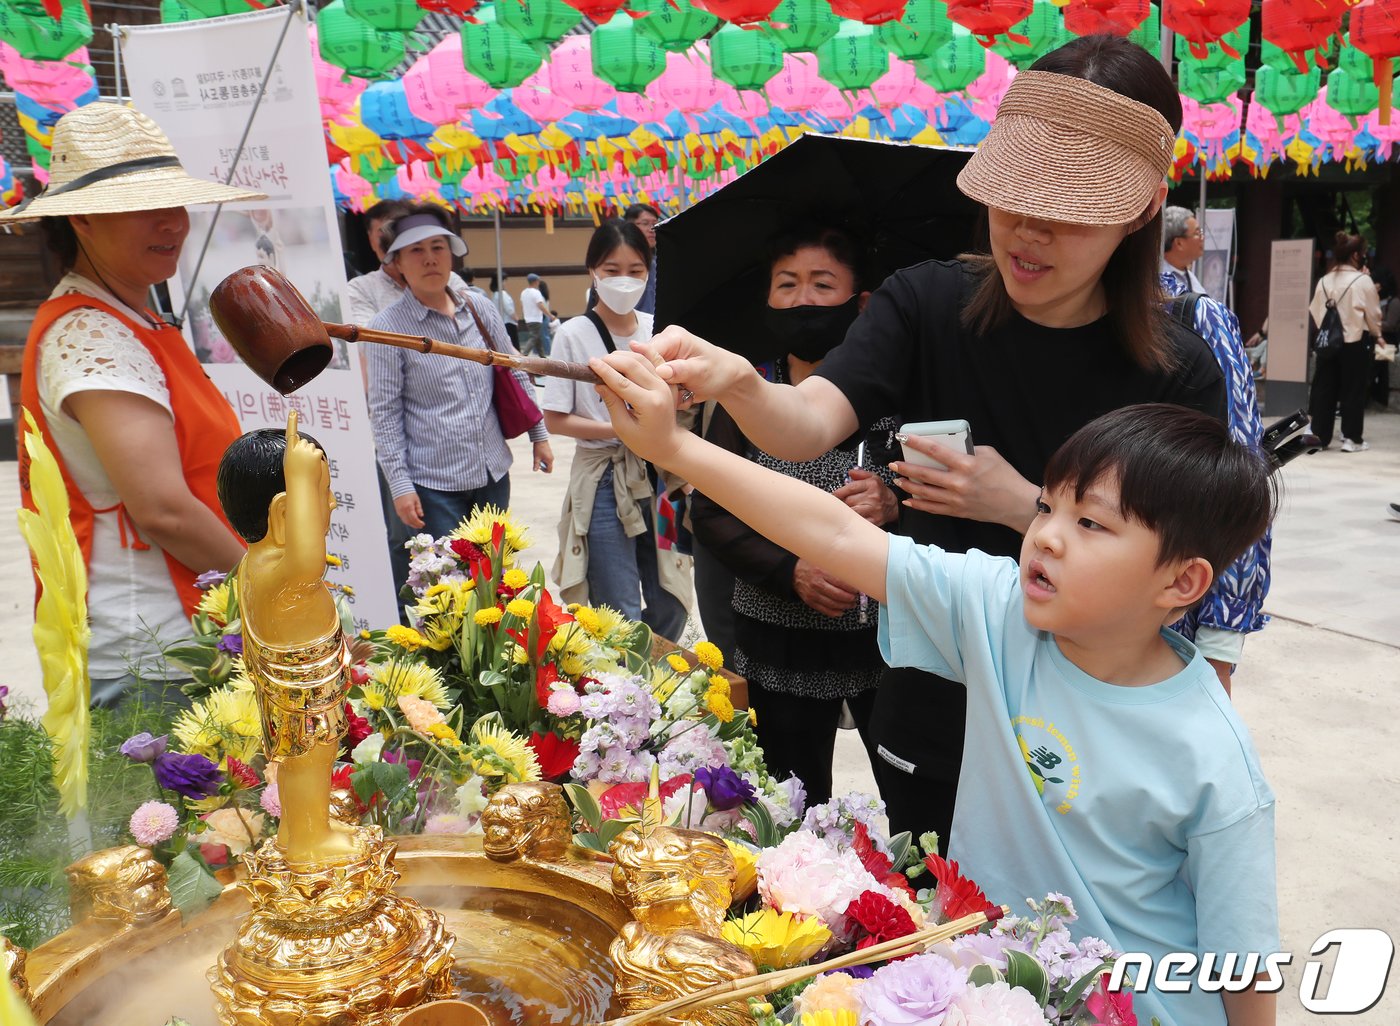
484, 184
415, 180
688, 84
1387, 136
571, 75
451, 82
536, 98
336, 90
896, 86
423, 100
748, 104
353, 187
985, 93
643, 108
841, 107
1211, 123
798, 88
54, 84
1331, 127
1261, 123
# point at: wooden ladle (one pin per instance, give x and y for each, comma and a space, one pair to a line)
283, 341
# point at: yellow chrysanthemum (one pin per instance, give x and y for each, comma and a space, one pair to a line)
709, 654
746, 866
518, 655
831, 1017
486, 617
753, 717
498, 753
405, 637
573, 666
477, 528
571, 640
720, 705
609, 620
678, 662
444, 733
777, 940
397, 678
440, 612
520, 607
588, 620
515, 579
214, 604
225, 723
719, 685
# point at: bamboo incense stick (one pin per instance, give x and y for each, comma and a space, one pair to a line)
532, 365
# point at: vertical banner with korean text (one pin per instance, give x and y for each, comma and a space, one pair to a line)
199, 80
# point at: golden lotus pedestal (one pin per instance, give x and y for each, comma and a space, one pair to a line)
331, 945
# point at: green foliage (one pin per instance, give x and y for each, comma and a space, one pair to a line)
192, 885
1025, 972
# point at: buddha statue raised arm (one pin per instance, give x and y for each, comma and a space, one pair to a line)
275, 491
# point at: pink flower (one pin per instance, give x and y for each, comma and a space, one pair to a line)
1110, 1008
420, 713
563, 702
153, 822
271, 801
996, 1004
808, 874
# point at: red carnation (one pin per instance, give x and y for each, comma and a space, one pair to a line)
957, 895
357, 728
878, 864
622, 796
241, 775
556, 754
880, 918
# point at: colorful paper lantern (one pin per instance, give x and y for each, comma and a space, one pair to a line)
572, 78
869, 12
385, 15
673, 25
496, 56
1350, 95
1285, 92
895, 87
1300, 28
1206, 84
176, 12
535, 96
688, 84
54, 84
1031, 38
739, 12
624, 58
599, 12
918, 32
987, 19
954, 65
1148, 35
853, 58
798, 87
1115, 17
353, 45
40, 37
541, 23
1375, 30
447, 72
384, 110
1201, 22
423, 100
1354, 62
1226, 52
746, 60
800, 26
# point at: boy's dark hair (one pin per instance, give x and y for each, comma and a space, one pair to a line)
250, 476
1179, 473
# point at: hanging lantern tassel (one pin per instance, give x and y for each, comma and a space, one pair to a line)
549, 218
1384, 79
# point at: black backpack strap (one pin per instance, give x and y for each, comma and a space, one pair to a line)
603, 331
1182, 309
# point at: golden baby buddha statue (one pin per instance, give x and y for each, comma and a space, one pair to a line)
328, 943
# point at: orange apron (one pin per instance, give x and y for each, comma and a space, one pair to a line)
205, 424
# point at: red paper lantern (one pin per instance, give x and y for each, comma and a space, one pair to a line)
872, 12
461, 8
987, 19
1201, 22
597, 11
1116, 17
1300, 26
1375, 30
739, 12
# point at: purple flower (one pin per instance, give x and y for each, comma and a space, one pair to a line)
724, 788
859, 972
210, 579
190, 776
920, 989
4, 694
144, 748
231, 643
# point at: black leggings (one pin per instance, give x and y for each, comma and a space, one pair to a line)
1341, 377
798, 734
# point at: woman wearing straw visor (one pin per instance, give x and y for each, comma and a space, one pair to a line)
120, 399
1062, 321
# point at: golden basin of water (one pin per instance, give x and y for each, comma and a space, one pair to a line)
532, 944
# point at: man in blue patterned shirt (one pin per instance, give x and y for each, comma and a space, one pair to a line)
1234, 605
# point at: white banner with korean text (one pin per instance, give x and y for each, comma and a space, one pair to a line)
199, 80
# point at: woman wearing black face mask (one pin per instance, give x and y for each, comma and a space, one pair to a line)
805, 641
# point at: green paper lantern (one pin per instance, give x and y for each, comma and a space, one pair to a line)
541, 23
800, 26
351, 44
1351, 96
744, 59
512, 169
1044, 30
954, 65
853, 59
1356, 63
673, 25
1216, 57
219, 8
376, 171
922, 29
1148, 35
387, 15
496, 55
589, 164
175, 12
624, 58
1285, 92
38, 37
1209, 85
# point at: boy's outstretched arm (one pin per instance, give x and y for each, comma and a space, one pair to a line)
1251, 1007
804, 520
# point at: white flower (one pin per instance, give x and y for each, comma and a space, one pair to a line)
471, 799
368, 750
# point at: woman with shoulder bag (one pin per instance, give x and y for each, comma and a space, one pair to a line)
607, 533
1341, 372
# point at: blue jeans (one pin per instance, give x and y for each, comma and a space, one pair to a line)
443, 511
622, 571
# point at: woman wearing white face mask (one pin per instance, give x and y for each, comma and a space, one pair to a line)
607, 535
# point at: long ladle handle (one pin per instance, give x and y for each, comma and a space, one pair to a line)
532, 365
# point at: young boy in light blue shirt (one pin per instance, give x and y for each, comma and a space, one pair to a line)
1103, 759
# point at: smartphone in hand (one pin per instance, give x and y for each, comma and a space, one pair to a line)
955, 434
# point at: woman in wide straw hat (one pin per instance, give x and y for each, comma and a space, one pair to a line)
121, 400
1061, 321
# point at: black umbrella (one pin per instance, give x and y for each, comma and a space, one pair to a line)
900, 199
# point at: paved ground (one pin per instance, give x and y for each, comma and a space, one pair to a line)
1320, 687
